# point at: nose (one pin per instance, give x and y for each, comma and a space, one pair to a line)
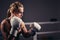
20, 14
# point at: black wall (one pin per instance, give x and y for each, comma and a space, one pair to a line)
35, 10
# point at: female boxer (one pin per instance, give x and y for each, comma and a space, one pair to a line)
12, 26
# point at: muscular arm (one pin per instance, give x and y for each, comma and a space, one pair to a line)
27, 33
2, 30
25, 29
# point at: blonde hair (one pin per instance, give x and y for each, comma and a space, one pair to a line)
8, 13
14, 7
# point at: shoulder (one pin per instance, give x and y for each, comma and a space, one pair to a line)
3, 21
2, 24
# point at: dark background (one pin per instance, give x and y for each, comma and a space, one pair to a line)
35, 10
39, 11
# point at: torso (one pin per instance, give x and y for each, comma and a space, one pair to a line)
7, 26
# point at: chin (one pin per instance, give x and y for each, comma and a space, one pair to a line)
20, 17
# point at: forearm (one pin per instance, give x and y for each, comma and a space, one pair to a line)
30, 30
28, 33
23, 27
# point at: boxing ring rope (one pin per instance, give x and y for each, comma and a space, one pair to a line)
35, 37
28, 23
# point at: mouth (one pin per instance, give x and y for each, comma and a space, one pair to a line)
20, 16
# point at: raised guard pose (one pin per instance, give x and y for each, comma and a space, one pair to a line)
13, 25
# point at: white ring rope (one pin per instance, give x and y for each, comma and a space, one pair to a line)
47, 32
28, 23
35, 37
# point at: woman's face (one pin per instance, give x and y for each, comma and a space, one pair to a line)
20, 14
